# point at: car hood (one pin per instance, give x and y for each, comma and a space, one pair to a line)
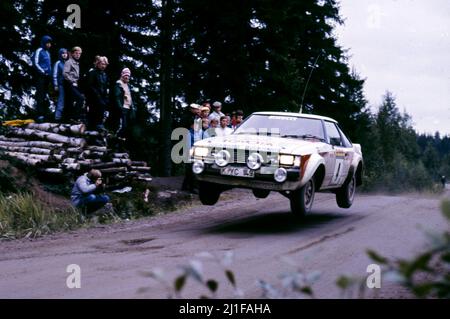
262, 143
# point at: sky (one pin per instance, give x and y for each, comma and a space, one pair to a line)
402, 46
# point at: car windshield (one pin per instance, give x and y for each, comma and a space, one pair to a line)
281, 125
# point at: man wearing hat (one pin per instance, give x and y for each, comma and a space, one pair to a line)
124, 103
217, 113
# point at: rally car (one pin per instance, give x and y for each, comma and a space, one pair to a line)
291, 153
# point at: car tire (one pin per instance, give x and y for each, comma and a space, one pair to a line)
208, 193
303, 198
346, 194
261, 193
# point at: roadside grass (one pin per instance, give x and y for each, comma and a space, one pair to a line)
26, 214
23, 215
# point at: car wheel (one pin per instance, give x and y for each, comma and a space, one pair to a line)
303, 198
261, 193
346, 194
208, 193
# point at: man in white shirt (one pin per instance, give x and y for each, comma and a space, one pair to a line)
223, 129
217, 107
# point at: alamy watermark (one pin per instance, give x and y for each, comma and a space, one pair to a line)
237, 148
74, 19
374, 279
74, 279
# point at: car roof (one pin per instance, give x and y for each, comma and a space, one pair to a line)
309, 116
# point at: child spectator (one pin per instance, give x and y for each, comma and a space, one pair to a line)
74, 97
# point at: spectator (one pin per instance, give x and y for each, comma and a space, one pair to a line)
228, 116
223, 129
205, 124
239, 119
208, 105
214, 123
203, 132
233, 119
97, 93
197, 131
85, 192
443, 181
191, 114
124, 103
74, 98
217, 113
58, 82
191, 121
42, 66
204, 112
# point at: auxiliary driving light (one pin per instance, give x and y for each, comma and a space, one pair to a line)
280, 175
222, 158
254, 161
198, 167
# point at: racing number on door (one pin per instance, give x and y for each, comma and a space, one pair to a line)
337, 170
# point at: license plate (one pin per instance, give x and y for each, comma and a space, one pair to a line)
237, 172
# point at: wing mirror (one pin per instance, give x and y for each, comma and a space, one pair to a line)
335, 141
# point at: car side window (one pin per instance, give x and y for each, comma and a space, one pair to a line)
345, 141
334, 137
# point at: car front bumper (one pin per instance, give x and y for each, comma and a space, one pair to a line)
263, 179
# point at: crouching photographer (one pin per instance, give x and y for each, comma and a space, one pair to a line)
86, 192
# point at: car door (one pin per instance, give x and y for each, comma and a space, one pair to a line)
340, 154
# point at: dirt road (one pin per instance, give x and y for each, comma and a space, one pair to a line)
262, 235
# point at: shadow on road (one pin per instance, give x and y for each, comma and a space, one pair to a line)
271, 223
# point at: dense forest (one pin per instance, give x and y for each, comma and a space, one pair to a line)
252, 55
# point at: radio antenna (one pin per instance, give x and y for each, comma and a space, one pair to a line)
307, 82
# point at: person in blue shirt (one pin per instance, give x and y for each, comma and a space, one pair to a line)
42, 66
58, 83
85, 191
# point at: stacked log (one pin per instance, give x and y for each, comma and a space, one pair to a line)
71, 150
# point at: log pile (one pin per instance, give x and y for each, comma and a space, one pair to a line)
65, 149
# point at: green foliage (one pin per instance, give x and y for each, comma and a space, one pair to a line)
6, 182
194, 271
352, 287
23, 215
248, 56
393, 158
294, 284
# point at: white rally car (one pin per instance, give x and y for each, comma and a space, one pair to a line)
291, 153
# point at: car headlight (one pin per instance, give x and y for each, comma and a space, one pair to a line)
254, 161
222, 158
201, 151
280, 175
198, 167
287, 160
